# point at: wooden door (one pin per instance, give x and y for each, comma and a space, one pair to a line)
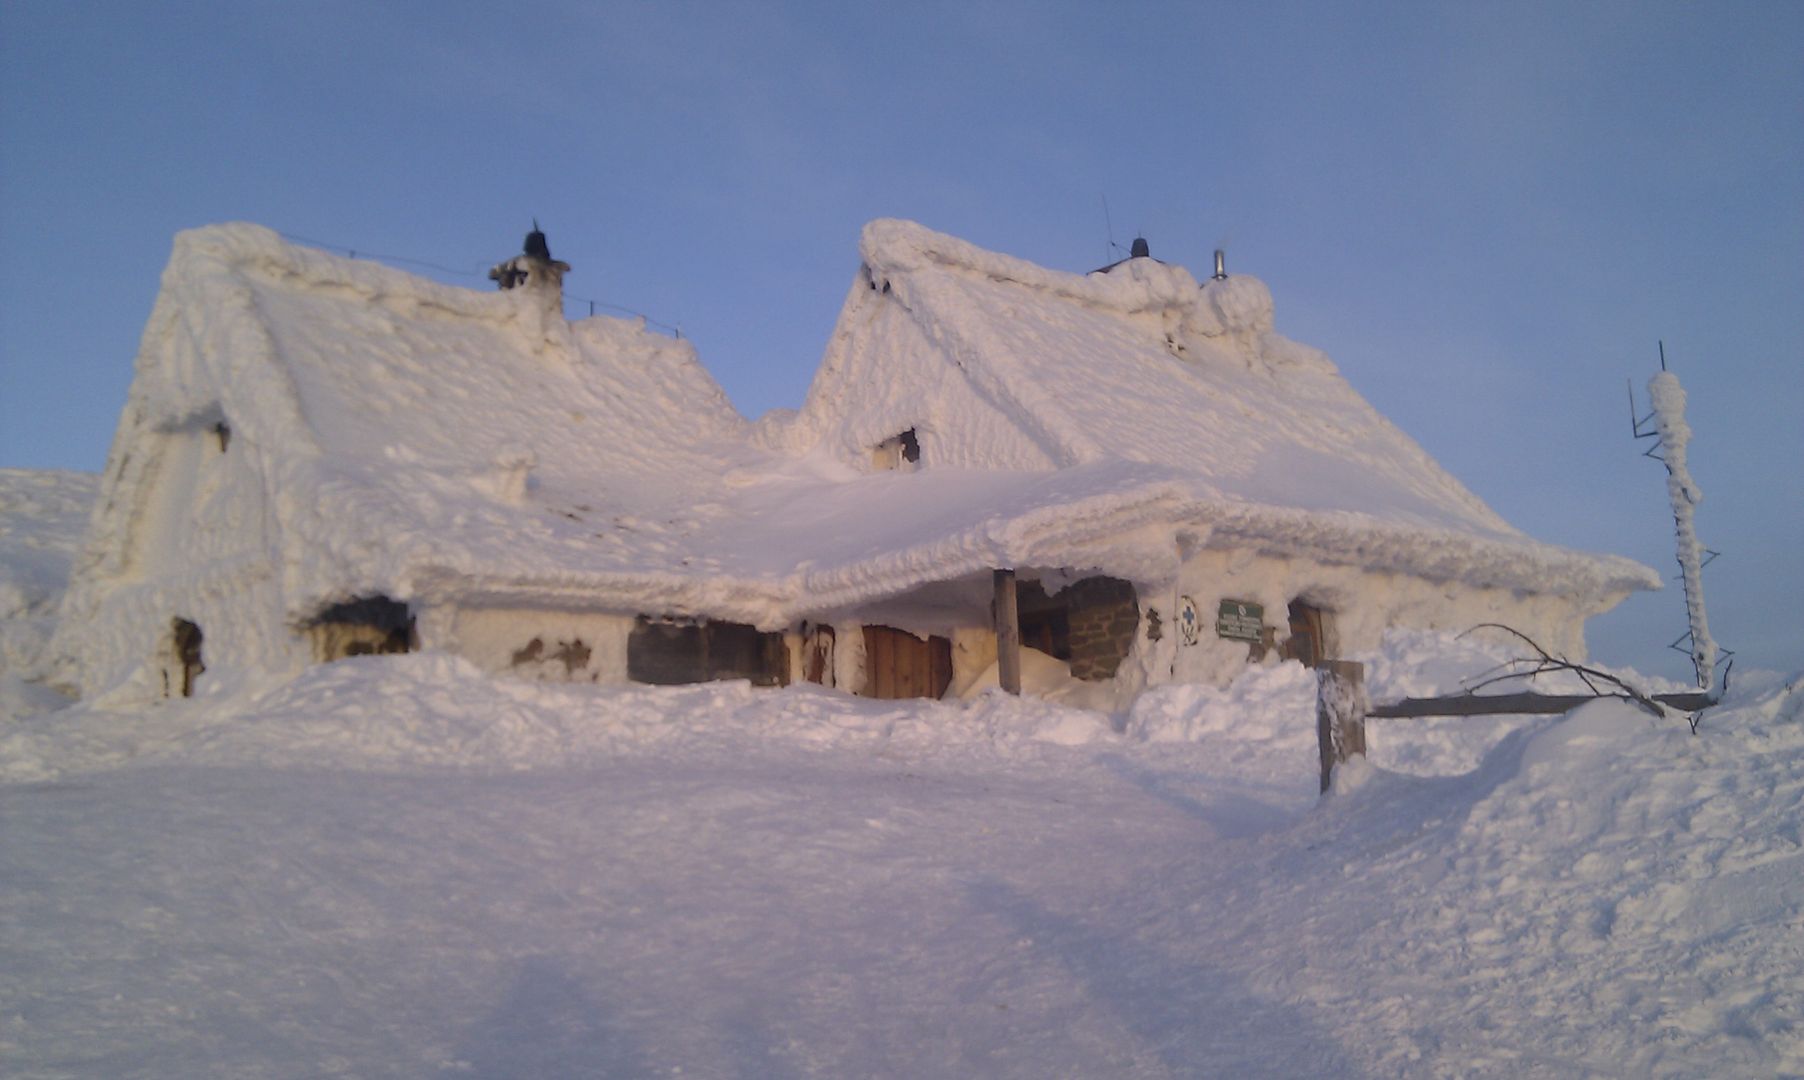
899, 665
1306, 644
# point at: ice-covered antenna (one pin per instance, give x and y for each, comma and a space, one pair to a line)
1108, 226
1666, 423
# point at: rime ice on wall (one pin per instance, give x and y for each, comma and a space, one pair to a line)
42, 517
1669, 420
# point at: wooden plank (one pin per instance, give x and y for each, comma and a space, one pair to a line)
1525, 703
1008, 633
879, 662
898, 664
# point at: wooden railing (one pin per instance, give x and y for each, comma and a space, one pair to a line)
1341, 708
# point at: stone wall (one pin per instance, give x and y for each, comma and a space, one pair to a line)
1104, 616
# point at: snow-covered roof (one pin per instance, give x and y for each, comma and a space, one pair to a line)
997, 363
426, 441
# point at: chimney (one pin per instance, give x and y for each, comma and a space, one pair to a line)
1221, 265
1139, 250
533, 267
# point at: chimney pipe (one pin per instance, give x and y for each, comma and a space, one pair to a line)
1221, 265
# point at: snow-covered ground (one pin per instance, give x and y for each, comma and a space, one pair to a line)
402, 867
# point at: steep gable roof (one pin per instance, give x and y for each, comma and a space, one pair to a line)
403, 427
998, 363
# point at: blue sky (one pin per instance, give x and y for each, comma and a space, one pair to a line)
1487, 214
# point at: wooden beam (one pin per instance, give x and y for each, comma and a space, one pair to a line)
1525, 703
1008, 633
1340, 713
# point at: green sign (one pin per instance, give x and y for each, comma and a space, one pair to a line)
1238, 620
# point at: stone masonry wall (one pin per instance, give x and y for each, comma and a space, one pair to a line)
1104, 617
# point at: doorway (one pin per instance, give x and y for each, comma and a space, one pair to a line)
1308, 642
185, 641
898, 664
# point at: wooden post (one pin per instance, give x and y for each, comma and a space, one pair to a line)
1340, 713
1008, 633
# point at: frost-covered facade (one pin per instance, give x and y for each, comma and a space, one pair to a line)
321, 457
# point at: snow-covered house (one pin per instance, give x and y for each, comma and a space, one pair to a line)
1221, 479
321, 457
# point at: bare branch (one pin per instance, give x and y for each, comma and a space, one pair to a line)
1549, 662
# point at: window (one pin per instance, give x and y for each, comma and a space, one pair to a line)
666, 652
1090, 624
368, 625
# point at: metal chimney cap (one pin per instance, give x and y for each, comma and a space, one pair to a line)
1139, 250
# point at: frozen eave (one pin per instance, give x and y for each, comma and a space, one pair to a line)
1113, 518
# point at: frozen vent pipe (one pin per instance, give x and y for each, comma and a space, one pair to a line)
533, 267
1669, 422
1221, 265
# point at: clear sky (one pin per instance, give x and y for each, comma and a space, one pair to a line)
1488, 214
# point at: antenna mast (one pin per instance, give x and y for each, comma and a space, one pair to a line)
1108, 253
1667, 424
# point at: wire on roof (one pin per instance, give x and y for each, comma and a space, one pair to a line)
674, 331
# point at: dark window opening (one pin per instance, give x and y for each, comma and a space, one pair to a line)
186, 642
670, 653
366, 626
1045, 621
1090, 624
897, 451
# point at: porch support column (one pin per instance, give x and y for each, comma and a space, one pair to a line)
1008, 634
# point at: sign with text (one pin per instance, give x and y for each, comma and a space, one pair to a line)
1238, 620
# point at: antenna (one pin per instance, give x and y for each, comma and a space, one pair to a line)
1108, 252
1666, 424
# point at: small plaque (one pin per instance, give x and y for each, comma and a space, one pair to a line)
1237, 620
1190, 624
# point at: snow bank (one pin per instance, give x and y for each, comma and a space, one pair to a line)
435, 711
1625, 891
397, 865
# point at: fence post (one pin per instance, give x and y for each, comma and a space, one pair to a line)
1340, 713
